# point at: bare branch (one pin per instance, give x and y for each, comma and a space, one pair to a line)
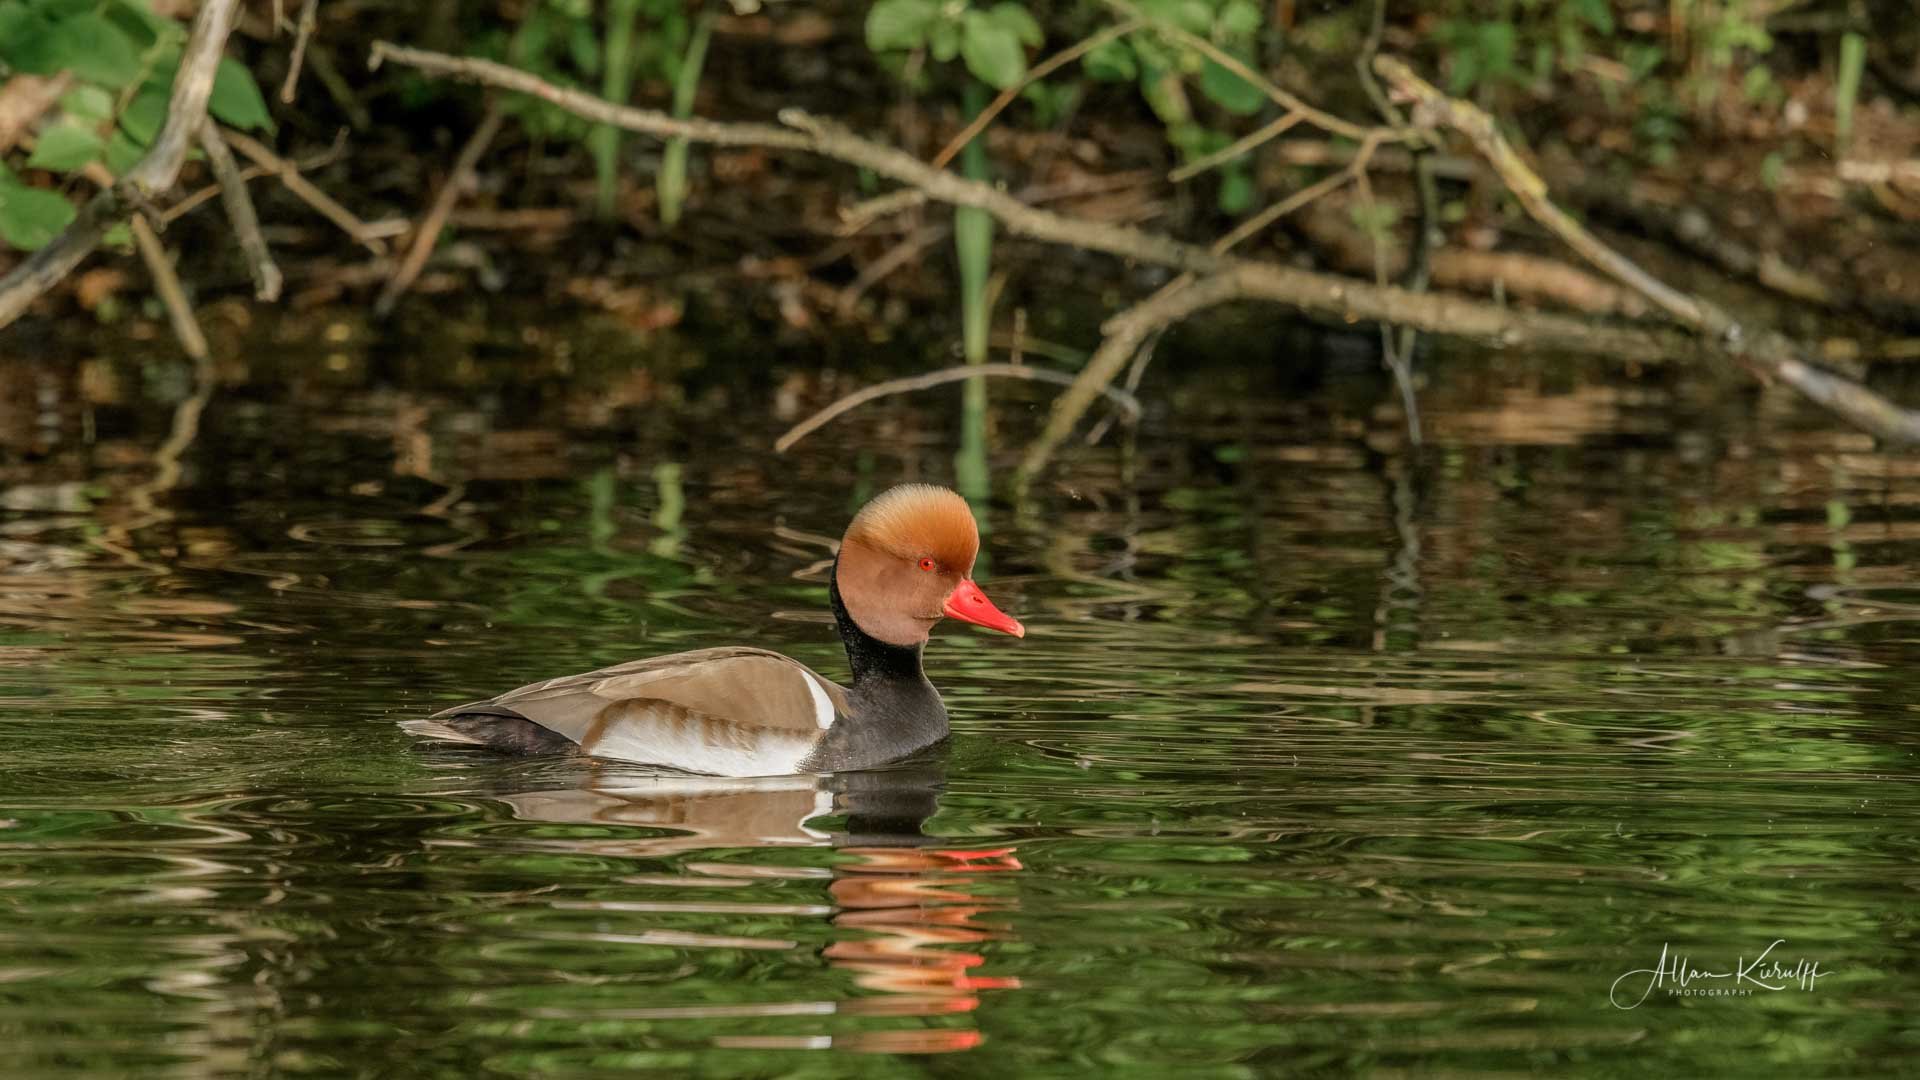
1767, 352
309, 13
166, 286
1240, 146
370, 234
1321, 119
152, 175
957, 373
1034, 74
240, 214
428, 231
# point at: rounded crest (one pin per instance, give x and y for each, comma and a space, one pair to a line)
914, 521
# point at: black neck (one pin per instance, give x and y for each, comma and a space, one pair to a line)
870, 658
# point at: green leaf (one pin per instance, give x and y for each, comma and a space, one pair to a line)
1111, 62
1595, 13
29, 217
943, 40
992, 51
583, 48
1193, 16
1230, 91
118, 236
86, 44
1017, 19
900, 24
65, 147
89, 103
144, 114
236, 98
123, 152
1241, 19
1236, 191
17, 22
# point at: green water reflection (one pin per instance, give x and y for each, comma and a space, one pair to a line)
1321, 756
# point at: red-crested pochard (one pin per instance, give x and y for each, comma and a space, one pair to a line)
906, 560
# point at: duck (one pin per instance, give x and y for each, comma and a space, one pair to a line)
904, 563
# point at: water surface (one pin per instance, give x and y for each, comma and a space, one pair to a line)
1323, 756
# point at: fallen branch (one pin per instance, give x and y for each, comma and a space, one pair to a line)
151, 175
371, 235
428, 232
1767, 353
932, 379
1124, 334
1343, 299
240, 214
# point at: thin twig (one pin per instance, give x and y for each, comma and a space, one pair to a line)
1034, 74
302, 33
1240, 146
1298, 199
1396, 349
1135, 372
1325, 121
1124, 334
151, 175
897, 256
369, 234
166, 281
862, 214
166, 286
428, 231
957, 373
240, 214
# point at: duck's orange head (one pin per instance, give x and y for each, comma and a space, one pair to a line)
907, 560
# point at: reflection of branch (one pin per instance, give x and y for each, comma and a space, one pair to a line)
118, 538
151, 175
938, 378
1768, 353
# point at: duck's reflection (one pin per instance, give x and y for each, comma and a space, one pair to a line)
908, 906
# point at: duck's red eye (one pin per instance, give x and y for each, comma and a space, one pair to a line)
927, 565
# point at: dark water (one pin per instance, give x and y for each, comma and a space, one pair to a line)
1322, 756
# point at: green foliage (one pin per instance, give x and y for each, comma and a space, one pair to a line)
123, 58
30, 216
991, 42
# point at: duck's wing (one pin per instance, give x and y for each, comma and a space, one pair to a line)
730, 712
